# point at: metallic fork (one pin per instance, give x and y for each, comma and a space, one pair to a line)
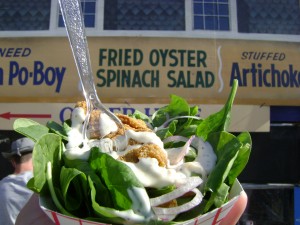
74, 23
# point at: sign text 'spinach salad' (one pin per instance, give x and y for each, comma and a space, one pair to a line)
175, 166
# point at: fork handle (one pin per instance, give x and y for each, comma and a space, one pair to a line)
73, 18
74, 22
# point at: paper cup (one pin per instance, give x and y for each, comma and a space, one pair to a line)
210, 218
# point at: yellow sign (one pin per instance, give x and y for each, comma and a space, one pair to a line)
149, 69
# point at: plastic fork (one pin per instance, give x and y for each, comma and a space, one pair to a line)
74, 23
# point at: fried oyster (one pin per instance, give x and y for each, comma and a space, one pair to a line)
143, 151
146, 151
129, 123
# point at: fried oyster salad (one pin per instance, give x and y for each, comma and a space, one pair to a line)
173, 166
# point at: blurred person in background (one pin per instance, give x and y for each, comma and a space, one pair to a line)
14, 193
5, 166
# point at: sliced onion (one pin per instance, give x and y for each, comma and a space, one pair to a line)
166, 217
168, 214
192, 182
175, 139
165, 124
175, 155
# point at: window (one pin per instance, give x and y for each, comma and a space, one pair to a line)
239, 19
268, 17
144, 15
20, 15
89, 13
211, 15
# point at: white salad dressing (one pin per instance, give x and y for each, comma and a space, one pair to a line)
78, 153
150, 174
129, 216
145, 137
107, 125
75, 137
189, 168
106, 145
78, 117
140, 200
78, 147
206, 155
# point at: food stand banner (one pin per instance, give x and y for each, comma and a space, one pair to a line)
149, 69
243, 118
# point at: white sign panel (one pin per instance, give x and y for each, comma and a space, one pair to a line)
250, 118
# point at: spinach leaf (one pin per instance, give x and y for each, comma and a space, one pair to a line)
242, 157
216, 199
228, 152
58, 129
218, 121
103, 196
186, 123
117, 177
74, 189
233, 154
218, 140
110, 215
168, 131
221, 195
178, 107
102, 214
153, 192
52, 190
179, 114
160, 116
30, 128
48, 148
139, 115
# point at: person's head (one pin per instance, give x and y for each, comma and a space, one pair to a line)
20, 154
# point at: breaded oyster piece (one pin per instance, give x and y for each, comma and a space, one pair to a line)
133, 123
146, 151
81, 104
129, 123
